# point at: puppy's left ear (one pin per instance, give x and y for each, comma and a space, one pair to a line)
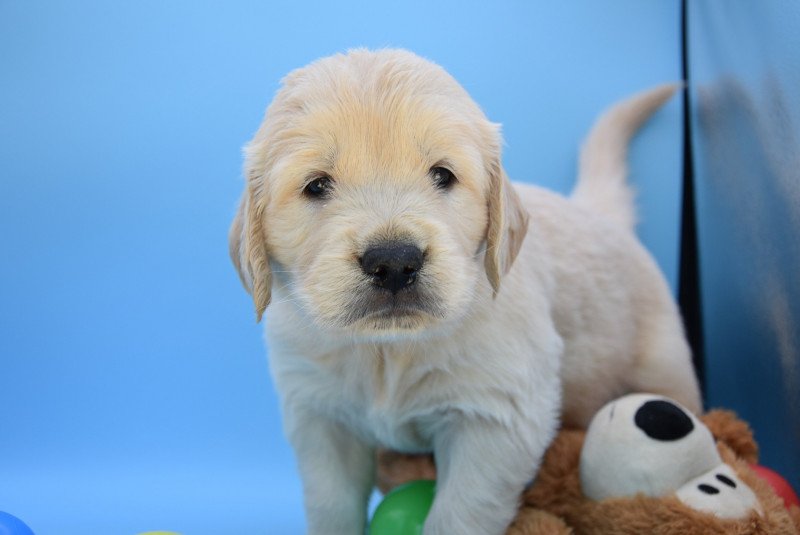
508, 224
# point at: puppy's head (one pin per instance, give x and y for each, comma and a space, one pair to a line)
376, 196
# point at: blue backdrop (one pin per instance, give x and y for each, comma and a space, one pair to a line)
744, 72
134, 391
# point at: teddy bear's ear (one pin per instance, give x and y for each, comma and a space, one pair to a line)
727, 428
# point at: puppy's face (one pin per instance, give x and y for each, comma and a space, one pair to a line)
373, 184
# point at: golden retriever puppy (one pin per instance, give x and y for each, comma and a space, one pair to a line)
421, 302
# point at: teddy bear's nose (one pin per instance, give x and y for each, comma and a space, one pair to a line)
662, 420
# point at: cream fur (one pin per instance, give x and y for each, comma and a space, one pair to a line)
504, 322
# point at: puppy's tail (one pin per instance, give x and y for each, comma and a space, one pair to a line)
602, 171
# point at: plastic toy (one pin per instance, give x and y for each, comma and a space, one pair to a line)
779, 484
11, 525
404, 509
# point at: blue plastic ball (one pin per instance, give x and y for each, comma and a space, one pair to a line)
11, 525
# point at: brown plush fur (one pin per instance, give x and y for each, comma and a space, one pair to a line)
555, 505
735, 433
395, 468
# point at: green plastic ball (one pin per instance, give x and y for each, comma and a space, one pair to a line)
404, 509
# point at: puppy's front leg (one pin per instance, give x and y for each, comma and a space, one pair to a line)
483, 467
338, 472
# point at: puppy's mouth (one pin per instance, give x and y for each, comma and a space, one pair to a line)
407, 309
394, 311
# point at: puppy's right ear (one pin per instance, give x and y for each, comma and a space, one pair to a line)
248, 249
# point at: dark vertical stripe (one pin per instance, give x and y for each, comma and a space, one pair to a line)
689, 297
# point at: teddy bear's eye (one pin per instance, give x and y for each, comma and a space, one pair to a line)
319, 188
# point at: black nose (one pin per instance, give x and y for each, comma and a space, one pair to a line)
662, 420
392, 266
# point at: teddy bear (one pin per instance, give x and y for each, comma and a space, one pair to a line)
644, 465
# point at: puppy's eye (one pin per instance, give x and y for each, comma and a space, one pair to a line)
443, 178
319, 188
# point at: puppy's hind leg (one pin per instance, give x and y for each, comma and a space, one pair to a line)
664, 362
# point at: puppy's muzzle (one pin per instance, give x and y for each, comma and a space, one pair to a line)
392, 266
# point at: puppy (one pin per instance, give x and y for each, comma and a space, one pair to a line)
421, 302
